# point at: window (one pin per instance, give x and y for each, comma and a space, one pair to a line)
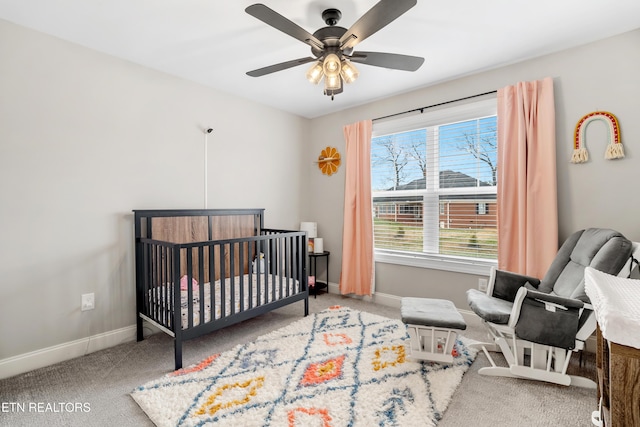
386, 208
434, 188
411, 209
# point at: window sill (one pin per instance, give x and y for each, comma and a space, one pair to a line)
478, 267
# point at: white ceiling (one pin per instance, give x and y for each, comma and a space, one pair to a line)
214, 42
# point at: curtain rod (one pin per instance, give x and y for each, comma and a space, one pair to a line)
421, 109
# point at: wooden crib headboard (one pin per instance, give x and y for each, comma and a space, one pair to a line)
197, 225
191, 226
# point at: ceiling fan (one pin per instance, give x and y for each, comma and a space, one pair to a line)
332, 46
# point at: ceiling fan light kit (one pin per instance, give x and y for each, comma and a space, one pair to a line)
335, 71
332, 84
315, 74
349, 72
331, 65
332, 46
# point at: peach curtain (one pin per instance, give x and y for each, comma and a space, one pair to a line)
356, 276
527, 187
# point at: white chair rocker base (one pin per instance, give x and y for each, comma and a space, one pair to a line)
546, 363
431, 325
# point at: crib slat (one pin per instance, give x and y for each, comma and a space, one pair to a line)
251, 256
259, 272
169, 292
176, 305
274, 278
212, 281
295, 241
157, 308
154, 282
278, 272
287, 265
269, 265
189, 290
232, 282
223, 283
200, 250
241, 249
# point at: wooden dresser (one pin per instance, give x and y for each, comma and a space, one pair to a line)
616, 303
618, 383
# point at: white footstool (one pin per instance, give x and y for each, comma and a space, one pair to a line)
432, 324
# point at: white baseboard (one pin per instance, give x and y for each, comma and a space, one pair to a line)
378, 298
59, 353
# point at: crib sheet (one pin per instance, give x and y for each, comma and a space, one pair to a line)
261, 291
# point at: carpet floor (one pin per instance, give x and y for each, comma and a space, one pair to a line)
99, 384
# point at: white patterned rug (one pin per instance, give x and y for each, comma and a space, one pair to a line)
339, 367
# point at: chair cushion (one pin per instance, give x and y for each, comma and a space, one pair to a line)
603, 249
431, 312
494, 310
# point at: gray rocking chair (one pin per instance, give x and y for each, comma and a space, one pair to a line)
549, 318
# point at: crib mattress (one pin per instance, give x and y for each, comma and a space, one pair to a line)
262, 292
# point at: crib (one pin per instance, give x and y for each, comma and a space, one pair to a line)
198, 271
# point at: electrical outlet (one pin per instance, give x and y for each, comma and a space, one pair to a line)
482, 285
88, 302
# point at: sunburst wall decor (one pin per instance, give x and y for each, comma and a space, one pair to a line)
329, 161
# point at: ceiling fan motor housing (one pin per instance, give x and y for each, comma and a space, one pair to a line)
330, 37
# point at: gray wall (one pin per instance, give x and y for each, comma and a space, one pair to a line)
84, 139
601, 193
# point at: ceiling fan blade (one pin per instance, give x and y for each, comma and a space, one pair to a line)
279, 22
388, 60
279, 67
379, 16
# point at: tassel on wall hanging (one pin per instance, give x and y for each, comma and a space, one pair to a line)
614, 146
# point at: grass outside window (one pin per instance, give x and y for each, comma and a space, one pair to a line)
468, 242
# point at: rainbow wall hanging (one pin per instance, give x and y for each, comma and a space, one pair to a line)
614, 148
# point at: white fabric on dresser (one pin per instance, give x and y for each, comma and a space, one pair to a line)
616, 302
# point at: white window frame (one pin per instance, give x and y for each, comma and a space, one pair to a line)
469, 111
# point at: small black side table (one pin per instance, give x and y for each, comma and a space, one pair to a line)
313, 257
